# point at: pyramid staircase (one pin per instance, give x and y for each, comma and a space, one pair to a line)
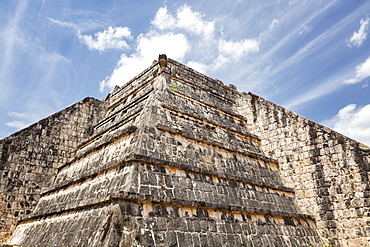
170, 164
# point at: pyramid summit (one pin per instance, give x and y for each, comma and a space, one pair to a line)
175, 158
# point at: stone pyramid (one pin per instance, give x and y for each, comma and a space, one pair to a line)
171, 163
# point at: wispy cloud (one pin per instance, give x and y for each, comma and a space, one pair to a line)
21, 121
11, 38
305, 29
111, 38
17, 124
80, 20
352, 121
16, 114
273, 23
32, 112
331, 84
63, 23
11, 34
318, 45
362, 72
360, 36
283, 43
311, 47
325, 87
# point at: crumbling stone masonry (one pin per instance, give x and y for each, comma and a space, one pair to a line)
176, 158
328, 171
30, 157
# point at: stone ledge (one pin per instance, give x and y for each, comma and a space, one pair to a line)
234, 128
207, 81
139, 157
106, 140
216, 144
107, 166
202, 103
143, 180
135, 78
141, 198
133, 103
109, 119
215, 206
116, 125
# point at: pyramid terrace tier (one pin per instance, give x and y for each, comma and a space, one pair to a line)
142, 223
222, 95
163, 145
139, 180
206, 123
128, 101
211, 91
125, 94
130, 106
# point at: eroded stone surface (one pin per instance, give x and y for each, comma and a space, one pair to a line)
30, 157
328, 171
180, 159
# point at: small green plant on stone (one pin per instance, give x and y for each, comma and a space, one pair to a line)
175, 87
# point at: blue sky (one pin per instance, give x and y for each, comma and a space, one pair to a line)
312, 57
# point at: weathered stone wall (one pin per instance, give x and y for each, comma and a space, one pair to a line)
328, 171
170, 164
29, 158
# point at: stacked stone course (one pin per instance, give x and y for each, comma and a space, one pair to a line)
328, 171
29, 158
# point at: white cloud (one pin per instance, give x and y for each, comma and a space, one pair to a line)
152, 44
362, 72
176, 36
192, 21
17, 124
353, 121
202, 68
360, 36
228, 51
149, 46
111, 38
186, 19
236, 50
163, 20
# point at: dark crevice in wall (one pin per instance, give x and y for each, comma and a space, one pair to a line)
4, 154
326, 206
